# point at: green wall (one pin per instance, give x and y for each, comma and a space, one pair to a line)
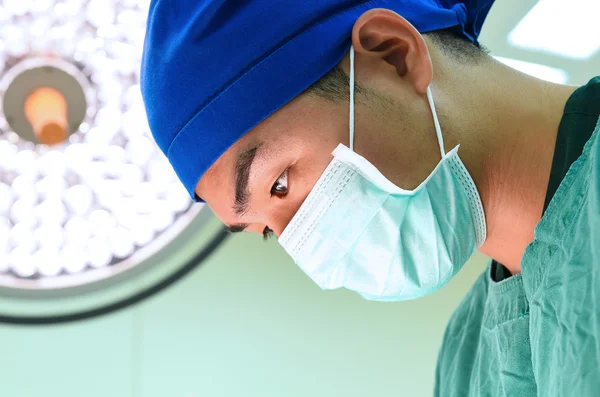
246, 323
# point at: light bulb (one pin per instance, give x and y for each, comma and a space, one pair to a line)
121, 242
130, 177
21, 235
126, 212
108, 32
177, 197
41, 6
77, 231
108, 120
114, 159
97, 136
127, 55
109, 87
101, 222
143, 232
4, 229
131, 173
133, 127
4, 257
130, 17
52, 186
8, 151
25, 163
17, 47
144, 191
143, 5
20, 261
162, 219
62, 36
51, 210
92, 172
18, 7
79, 199
108, 192
73, 258
38, 31
100, 13
47, 261
115, 154
98, 252
21, 211
24, 188
160, 172
52, 163
148, 205
4, 246
140, 150
49, 235
78, 155
132, 98
6, 198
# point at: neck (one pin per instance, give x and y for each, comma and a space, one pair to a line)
506, 123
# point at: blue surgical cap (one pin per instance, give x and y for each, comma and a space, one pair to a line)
214, 69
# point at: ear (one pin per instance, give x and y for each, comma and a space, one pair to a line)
386, 35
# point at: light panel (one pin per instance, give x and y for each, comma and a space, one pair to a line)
543, 72
566, 28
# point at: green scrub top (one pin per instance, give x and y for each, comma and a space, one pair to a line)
538, 333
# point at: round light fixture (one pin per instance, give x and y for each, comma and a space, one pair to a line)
85, 194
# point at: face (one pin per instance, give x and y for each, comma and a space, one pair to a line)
260, 182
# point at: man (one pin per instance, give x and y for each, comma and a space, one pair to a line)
249, 99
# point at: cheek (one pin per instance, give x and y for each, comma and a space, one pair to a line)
304, 175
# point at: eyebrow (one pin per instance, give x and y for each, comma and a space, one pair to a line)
243, 165
237, 228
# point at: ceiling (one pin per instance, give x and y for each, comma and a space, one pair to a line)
570, 25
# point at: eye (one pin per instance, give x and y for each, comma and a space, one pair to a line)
267, 233
280, 187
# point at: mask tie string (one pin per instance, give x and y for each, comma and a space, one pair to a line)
438, 129
352, 97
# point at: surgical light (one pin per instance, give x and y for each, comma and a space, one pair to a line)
83, 187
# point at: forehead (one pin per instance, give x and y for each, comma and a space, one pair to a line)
217, 185
218, 178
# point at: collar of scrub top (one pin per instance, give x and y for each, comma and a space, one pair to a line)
214, 69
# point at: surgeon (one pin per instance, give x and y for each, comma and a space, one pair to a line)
382, 146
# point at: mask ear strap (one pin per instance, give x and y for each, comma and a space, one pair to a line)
352, 97
438, 129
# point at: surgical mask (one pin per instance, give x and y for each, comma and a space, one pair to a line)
358, 230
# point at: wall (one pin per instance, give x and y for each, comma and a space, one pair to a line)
246, 323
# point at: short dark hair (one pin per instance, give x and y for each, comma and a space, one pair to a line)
334, 85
